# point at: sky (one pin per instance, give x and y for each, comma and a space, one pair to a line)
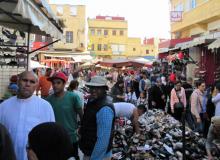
146, 18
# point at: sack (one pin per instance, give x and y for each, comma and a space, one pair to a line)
178, 107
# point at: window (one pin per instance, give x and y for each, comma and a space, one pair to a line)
118, 49
99, 47
121, 33
105, 32
105, 47
99, 32
69, 37
179, 7
73, 10
59, 10
147, 51
134, 49
92, 32
114, 32
93, 47
193, 4
43, 39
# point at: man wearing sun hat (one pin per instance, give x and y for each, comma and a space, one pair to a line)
66, 106
213, 139
98, 122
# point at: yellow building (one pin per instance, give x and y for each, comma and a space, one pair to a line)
108, 38
73, 17
199, 18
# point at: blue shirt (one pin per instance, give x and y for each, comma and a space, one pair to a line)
104, 125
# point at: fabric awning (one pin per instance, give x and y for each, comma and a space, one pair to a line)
215, 44
193, 43
30, 14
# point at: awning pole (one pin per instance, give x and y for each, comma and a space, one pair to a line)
28, 46
44, 46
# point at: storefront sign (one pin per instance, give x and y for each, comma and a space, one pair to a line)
176, 16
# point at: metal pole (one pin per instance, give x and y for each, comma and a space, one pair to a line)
184, 136
28, 46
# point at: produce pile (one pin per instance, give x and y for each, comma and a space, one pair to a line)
160, 138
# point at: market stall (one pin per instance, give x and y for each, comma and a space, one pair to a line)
19, 19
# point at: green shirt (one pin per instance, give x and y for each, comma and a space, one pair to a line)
65, 112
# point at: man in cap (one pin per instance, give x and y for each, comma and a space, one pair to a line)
98, 122
19, 114
213, 139
66, 106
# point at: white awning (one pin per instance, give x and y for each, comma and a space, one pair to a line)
215, 44
35, 64
193, 43
22, 14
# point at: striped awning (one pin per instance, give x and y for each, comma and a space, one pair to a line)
215, 44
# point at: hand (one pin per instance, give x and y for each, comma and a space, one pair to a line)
172, 110
214, 93
198, 120
153, 103
210, 157
31, 155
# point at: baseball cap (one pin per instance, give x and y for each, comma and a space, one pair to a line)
58, 75
13, 87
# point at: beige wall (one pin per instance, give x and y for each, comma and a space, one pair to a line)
74, 23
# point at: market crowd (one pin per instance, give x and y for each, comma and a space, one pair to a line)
51, 117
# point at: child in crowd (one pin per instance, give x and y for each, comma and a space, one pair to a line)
142, 100
130, 95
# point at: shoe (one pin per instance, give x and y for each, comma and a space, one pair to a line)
6, 33
1, 41
21, 50
8, 49
8, 56
22, 34
12, 63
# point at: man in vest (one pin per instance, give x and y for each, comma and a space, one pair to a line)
98, 122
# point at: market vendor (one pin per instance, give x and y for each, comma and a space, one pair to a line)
213, 139
128, 110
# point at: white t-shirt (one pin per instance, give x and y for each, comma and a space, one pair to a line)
123, 109
19, 116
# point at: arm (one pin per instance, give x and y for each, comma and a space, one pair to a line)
184, 97
216, 98
172, 100
104, 125
135, 121
140, 86
194, 100
78, 106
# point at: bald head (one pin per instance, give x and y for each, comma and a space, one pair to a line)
28, 73
27, 84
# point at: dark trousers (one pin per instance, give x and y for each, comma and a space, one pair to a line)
75, 151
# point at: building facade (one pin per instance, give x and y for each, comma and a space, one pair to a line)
108, 38
198, 18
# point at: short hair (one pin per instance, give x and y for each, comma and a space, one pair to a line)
73, 85
199, 82
142, 107
44, 138
21, 75
177, 82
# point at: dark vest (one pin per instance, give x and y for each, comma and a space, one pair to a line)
88, 129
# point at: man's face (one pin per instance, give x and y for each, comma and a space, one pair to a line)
58, 85
202, 87
27, 85
140, 112
96, 92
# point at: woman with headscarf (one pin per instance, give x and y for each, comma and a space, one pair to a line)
49, 141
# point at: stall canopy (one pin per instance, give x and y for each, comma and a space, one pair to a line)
33, 16
215, 44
